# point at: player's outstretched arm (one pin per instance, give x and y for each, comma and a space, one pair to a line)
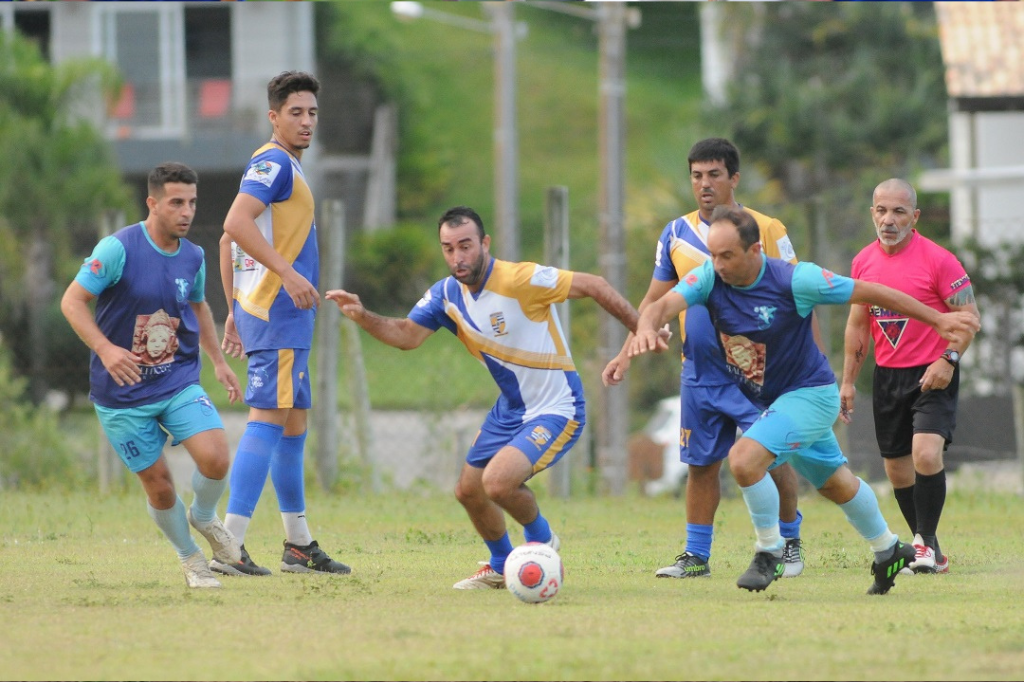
652, 319
121, 363
616, 369
586, 285
401, 333
856, 345
957, 327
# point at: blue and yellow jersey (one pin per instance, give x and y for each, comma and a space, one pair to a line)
265, 316
682, 247
511, 326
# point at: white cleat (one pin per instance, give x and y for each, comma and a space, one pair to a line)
197, 572
924, 557
484, 579
793, 558
226, 548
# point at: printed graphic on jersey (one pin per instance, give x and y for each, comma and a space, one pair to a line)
959, 283
546, 277
745, 358
498, 324
765, 315
828, 275
96, 267
258, 378
892, 329
424, 300
263, 172
182, 285
240, 260
786, 250
155, 340
540, 436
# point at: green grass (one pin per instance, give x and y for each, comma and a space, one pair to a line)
91, 590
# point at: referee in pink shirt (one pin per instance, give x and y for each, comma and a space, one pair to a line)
917, 372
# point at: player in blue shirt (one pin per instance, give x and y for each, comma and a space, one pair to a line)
151, 319
270, 269
761, 309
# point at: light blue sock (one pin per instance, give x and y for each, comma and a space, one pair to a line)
286, 471
698, 539
762, 500
863, 514
251, 466
174, 525
500, 549
208, 492
537, 530
791, 529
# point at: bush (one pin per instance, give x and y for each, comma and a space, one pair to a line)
33, 450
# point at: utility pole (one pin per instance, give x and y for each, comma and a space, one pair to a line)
613, 426
506, 139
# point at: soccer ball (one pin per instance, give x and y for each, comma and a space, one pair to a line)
533, 572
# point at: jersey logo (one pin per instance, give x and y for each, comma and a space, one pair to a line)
425, 300
691, 279
765, 315
155, 339
263, 172
540, 437
498, 324
745, 358
546, 277
96, 267
828, 275
182, 285
893, 329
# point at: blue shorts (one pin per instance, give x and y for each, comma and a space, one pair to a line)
279, 379
543, 440
708, 419
138, 434
797, 428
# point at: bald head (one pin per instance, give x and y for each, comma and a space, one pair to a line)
895, 185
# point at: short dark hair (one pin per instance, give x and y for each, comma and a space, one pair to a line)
716, 149
170, 171
745, 223
457, 215
287, 82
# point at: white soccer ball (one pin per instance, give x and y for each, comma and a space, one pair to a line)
533, 572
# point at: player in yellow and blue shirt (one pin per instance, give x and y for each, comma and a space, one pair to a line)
504, 314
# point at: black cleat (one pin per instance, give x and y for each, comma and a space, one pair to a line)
765, 569
310, 559
885, 573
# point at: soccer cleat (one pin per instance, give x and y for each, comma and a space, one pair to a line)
942, 565
687, 565
924, 557
885, 572
765, 569
484, 579
244, 567
310, 559
793, 557
226, 548
554, 542
197, 573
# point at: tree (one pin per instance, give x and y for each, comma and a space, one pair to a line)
57, 177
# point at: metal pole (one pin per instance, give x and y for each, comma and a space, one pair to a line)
556, 253
325, 407
614, 424
506, 142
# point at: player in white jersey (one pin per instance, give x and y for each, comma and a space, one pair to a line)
505, 316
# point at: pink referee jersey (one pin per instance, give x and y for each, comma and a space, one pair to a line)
925, 271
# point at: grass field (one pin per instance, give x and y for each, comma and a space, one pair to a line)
90, 590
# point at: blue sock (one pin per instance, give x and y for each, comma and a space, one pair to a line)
286, 471
174, 525
762, 500
251, 466
500, 550
537, 530
208, 492
698, 539
791, 529
863, 513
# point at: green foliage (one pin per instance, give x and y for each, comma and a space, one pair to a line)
34, 453
390, 269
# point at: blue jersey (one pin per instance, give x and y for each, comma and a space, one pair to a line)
265, 317
511, 326
764, 330
143, 304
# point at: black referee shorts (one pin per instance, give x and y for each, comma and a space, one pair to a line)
902, 409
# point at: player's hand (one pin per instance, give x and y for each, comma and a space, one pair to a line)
665, 333
615, 370
348, 303
958, 326
846, 397
304, 295
937, 376
121, 364
226, 376
645, 341
232, 342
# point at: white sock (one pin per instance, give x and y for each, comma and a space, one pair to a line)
296, 530
237, 524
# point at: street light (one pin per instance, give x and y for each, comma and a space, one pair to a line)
506, 142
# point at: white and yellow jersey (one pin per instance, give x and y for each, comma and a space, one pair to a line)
511, 326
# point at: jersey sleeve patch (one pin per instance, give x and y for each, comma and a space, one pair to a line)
263, 172
545, 277
786, 250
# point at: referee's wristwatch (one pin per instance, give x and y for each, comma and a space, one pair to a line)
951, 356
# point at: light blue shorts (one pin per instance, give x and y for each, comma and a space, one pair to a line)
543, 440
797, 428
138, 434
708, 419
279, 379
